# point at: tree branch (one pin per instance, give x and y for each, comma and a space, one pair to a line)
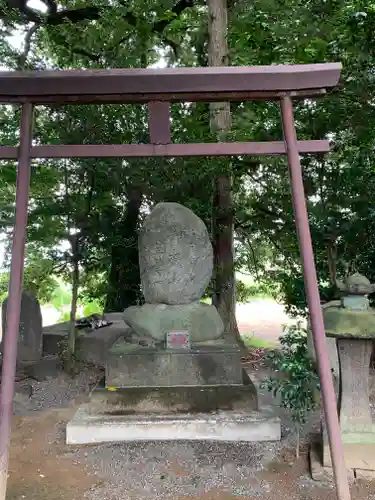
26, 47
89, 13
254, 256
27, 12
177, 10
51, 6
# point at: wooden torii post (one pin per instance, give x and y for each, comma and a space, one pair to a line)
158, 88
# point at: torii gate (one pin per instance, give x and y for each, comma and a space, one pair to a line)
158, 88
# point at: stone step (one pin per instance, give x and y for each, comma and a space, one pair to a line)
231, 426
173, 400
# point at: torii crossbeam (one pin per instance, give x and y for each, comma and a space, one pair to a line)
158, 88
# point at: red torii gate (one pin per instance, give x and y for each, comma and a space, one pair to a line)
158, 88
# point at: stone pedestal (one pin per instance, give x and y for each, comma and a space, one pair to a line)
131, 365
215, 413
357, 427
152, 393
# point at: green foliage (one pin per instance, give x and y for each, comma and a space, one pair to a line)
246, 292
254, 342
297, 381
95, 198
62, 296
92, 308
38, 279
65, 317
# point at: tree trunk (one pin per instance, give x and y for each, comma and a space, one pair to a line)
73, 309
222, 210
297, 441
124, 277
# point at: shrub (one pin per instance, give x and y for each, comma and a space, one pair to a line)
245, 292
297, 381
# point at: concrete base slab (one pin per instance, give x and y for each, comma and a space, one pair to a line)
86, 428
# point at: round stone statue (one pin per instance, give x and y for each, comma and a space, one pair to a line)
175, 255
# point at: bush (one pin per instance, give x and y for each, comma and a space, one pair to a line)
244, 292
297, 381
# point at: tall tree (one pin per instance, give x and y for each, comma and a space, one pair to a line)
222, 208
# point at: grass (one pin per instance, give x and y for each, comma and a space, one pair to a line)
253, 342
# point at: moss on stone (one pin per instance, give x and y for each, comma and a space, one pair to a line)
341, 322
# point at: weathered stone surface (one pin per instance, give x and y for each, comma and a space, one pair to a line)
318, 471
342, 322
356, 284
30, 329
175, 255
53, 337
130, 365
202, 321
92, 347
357, 456
365, 475
356, 302
169, 400
332, 352
228, 425
355, 413
357, 428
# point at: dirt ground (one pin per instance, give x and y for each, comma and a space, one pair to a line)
38, 466
42, 469
263, 318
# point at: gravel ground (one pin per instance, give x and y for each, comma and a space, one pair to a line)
58, 392
153, 470
177, 470
170, 470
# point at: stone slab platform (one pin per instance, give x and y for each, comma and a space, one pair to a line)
130, 365
86, 428
173, 400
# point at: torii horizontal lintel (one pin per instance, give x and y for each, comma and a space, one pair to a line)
167, 150
176, 84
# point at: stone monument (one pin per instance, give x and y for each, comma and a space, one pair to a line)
178, 375
351, 323
176, 260
30, 330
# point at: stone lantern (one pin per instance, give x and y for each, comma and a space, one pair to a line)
351, 321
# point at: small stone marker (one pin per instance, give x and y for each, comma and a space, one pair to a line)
30, 339
178, 340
